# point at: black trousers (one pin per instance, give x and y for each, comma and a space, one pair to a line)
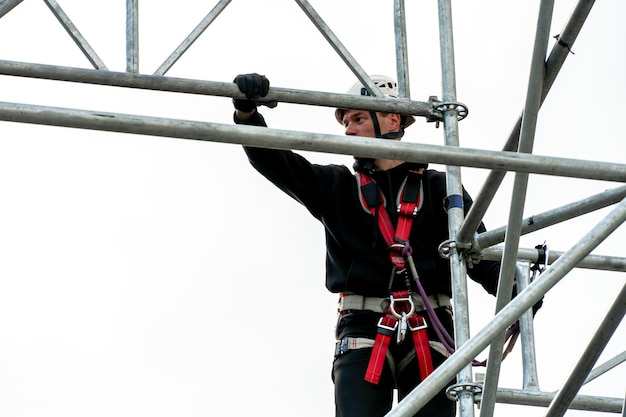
355, 397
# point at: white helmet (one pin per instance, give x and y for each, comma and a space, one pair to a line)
388, 86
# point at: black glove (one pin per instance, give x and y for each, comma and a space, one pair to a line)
255, 87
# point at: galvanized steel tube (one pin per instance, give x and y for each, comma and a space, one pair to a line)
317, 142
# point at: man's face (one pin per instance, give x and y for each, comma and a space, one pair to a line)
359, 123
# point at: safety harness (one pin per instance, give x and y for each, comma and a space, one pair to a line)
400, 314
401, 307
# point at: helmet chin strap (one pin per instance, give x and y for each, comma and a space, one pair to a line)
389, 135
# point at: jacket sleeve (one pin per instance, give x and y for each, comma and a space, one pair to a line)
291, 172
486, 273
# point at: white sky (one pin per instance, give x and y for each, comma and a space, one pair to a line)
153, 276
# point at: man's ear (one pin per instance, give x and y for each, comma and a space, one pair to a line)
396, 121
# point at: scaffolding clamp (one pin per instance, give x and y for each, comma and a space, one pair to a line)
438, 108
453, 391
446, 247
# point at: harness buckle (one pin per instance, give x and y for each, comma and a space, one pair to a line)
387, 327
421, 324
406, 211
403, 314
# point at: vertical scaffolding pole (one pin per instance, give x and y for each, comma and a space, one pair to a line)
464, 397
511, 244
527, 333
402, 59
132, 36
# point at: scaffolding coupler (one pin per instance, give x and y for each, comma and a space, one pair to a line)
438, 108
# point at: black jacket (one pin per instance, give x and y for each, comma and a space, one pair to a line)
357, 259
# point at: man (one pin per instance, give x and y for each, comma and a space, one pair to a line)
379, 260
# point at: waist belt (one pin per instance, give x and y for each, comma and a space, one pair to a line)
400, 315
349, 301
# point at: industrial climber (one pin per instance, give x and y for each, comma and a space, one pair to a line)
383, 225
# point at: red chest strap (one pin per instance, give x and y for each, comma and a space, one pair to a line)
409, 203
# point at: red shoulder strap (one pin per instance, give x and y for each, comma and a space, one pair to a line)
409, 203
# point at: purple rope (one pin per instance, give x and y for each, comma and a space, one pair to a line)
442, 334
440, 330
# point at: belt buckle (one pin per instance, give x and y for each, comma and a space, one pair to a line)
341, 347
384, 326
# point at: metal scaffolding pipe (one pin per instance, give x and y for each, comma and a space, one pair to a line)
543, 399
416, 399
7, 5
193, 36
527, 333
454, 188
558, 215
317, 142
212, 88
132, 36
599, 262
75, 34
341, 50
402, 58
606, 366
553, 65
601, 337
518, 200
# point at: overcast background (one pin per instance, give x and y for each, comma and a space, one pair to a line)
156, 276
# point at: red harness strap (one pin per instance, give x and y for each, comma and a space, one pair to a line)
395, 321
417, 325
387, 325
401, 311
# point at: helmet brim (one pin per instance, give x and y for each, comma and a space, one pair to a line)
408, 120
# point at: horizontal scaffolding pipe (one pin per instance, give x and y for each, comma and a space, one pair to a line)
543, 399
558, 215
599, 262
213, 88
317, 142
